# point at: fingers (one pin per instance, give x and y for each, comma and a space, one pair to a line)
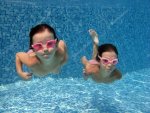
91, 30
84, 71
26, 75
29, 74
93, 33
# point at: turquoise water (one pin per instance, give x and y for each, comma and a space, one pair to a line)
125, 24
74, 95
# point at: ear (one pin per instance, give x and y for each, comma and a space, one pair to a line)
84, 60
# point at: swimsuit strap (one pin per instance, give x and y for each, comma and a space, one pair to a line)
30, 51
93, 62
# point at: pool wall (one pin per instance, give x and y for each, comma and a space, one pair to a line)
126, 27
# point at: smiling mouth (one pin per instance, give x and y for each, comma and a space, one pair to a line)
109, 69
46, 55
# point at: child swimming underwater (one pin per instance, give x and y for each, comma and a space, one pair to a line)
46, 55
102, 66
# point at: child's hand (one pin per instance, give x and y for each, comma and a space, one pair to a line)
87, 70
94, 36
26, 75
93, 33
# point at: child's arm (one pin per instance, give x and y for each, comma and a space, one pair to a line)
20, 59
94, 37
62, 50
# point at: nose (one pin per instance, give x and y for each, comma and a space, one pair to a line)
109, 65
45, 48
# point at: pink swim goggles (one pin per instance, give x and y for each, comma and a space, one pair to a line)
107, 61
39, 46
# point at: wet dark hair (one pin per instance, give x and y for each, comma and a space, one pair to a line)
106, 48
40, 28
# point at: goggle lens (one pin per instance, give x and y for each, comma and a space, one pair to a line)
107, 61
49, 44
37, 47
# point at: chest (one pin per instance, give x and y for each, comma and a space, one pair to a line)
43, 69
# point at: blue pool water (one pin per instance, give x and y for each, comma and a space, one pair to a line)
124, 24
74, 95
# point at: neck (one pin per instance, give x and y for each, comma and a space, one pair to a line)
47, 61
104, 73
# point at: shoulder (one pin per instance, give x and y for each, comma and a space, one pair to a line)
30, 53
21, 54
61, 47
87, 62
26, 58
94, 68
94, 62
61, 43
117, 74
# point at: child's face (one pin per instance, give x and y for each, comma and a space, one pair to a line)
44, 44
110, 58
